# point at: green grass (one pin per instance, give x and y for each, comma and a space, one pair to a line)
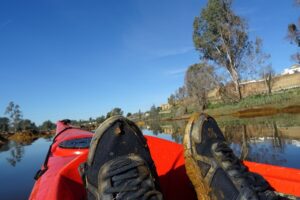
277, 100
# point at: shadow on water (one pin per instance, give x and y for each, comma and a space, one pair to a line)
272, 140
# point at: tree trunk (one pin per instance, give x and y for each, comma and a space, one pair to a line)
269, 88
236, 81
244, 146
277, 140
201, 104
269, 82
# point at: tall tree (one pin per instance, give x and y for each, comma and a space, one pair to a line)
199, 80
256, 61
27, 125
154, 112
15, 114
140, 114
100, 119
267, 74
114, 111
172, 100
4, 124
47, 126
181, 94
181, 97
260, 60
294, 35
221, 36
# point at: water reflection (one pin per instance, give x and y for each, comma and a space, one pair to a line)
175, 129
15, 149
16, 153
19, 161
272, 140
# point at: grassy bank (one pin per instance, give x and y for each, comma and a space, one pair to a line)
287, 101
277, 101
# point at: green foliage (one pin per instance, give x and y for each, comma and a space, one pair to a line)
114, 111
154, 112
294, 35
219, 33
172, 100
4, 124
47, 126
100, 119
15, 114
140, 114
199, 80
281, 99
221, 36
27, 125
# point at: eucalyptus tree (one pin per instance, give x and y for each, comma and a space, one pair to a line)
268, 74
222, 37
294, 35
47, 126
199, 80
27, 125
15, 114
260, 60
172, 100
114, 111
4, 124
181, 94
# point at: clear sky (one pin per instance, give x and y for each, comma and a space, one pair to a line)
79, 59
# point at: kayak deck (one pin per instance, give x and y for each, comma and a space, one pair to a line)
61, 180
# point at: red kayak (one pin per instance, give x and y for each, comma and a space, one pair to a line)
59, 177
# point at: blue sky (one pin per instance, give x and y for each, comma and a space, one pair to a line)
79, 59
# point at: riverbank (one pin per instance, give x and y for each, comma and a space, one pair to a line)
287, 101
24, 137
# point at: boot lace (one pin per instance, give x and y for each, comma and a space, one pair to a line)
255, 181
131, 179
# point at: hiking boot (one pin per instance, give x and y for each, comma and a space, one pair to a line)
119, 164
214, 170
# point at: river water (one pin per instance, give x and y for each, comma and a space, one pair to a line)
274, 140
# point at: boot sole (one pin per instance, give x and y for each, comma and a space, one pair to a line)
192, 169
98, 134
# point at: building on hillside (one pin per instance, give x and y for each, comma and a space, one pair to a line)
214, 95
165, 107
147, 114
292, 70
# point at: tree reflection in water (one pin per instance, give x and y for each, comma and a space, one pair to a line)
16, 148
16, 153
277, 139
154, 126
258, 143
175, 128
263, 142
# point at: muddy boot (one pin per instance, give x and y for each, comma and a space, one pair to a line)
119, 164
214, 170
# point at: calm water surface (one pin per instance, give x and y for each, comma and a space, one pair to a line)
18, 165
274, 140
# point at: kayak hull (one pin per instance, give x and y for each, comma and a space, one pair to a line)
61, 180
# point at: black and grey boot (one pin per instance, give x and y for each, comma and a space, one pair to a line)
214, 170
119, 164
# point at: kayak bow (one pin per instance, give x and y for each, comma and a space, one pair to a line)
59, 177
